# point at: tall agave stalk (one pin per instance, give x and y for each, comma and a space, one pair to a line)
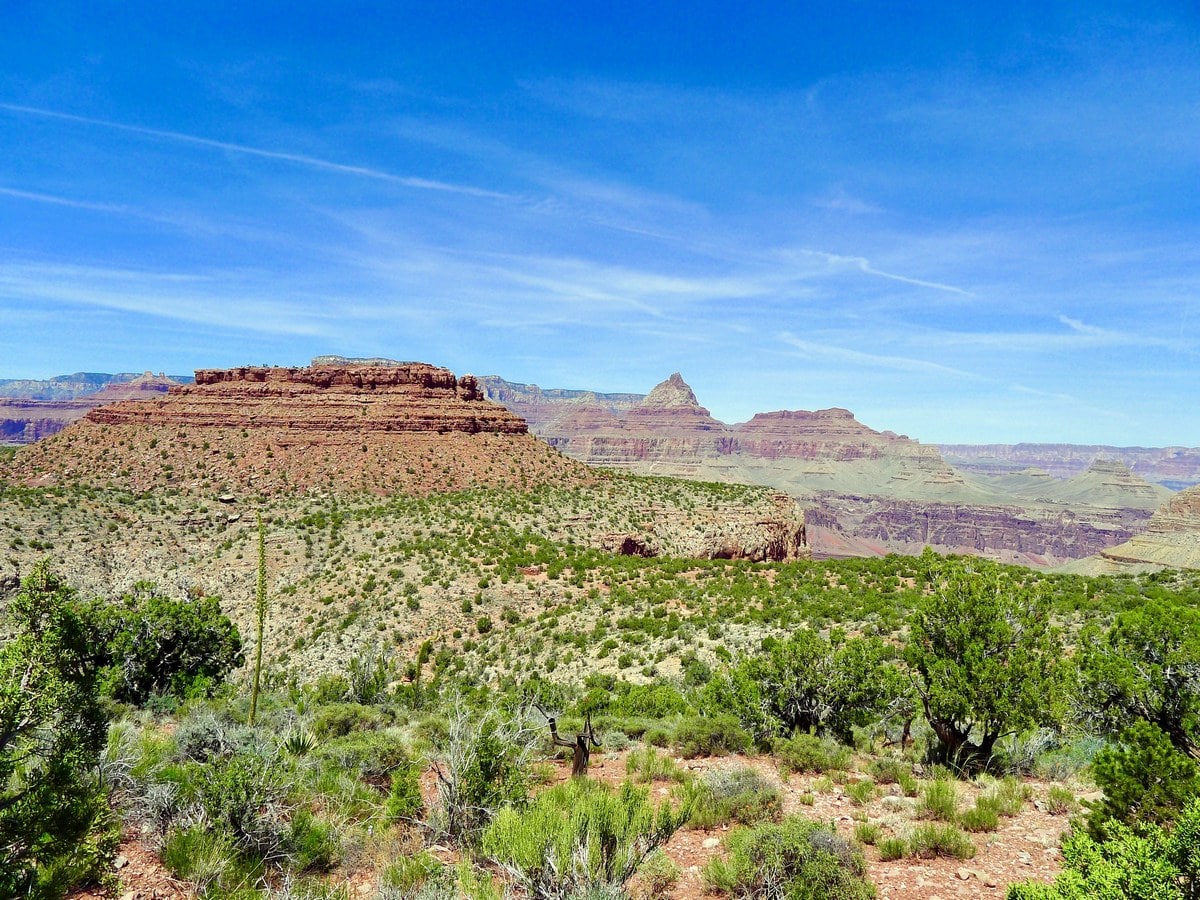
260, 609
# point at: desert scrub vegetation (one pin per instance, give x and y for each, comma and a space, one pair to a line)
381, 726
792, 858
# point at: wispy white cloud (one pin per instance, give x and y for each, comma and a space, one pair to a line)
814, 349
408, 181
864, 265
53, 200
1078, 336
226, 302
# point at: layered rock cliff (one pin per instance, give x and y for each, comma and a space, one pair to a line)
866, 491
400, 397
1171, 539
399, 427
1172, 467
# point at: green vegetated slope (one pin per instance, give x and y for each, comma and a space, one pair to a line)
513, 581
352, 572
414, 645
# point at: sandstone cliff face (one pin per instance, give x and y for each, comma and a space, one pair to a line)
404, 397
537, 406
724, 531
407, 427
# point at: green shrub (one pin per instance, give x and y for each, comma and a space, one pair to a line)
890, 771
983, 816
795, 858
709, 736
210, 860
51, 732
809, 753
1060, 800
203, 735
861, 792
404, 799
940, 839
1008, 796
1125, 865
739, 795
339, 719
409, 877
657, 876
368, 754
312, 843
645, 764
483, 767
651, 701
245, 796
657, 736
1144, 779
867, 833
155, 646
579, 836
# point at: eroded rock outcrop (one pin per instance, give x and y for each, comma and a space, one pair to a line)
397, 427
726, 530
401, 397
1171, 540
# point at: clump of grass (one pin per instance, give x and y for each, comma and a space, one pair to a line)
867, 833
1008, 795
892, 848
646, 764
940, 839
1060, 800
983, 816
888, 770
939, 800
861, 792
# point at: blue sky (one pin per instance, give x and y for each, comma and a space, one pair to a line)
962, 224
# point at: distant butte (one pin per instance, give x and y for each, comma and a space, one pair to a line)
340, 425
329, 397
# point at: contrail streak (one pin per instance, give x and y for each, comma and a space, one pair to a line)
424, 184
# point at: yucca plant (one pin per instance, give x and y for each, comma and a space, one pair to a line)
299, 742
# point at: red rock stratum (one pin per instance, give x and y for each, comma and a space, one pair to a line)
342, 426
